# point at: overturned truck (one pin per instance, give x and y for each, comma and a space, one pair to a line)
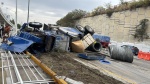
32, 38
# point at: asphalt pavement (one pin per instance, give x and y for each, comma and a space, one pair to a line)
137, 72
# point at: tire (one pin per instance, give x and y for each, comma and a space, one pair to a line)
28, 29
136, 51
35, 24
88, 29
80, 28
96, 46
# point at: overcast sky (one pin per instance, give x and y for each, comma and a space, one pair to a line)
49, 11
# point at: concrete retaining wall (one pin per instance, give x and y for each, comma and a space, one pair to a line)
120, 25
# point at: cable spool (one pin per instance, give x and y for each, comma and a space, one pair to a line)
121, 53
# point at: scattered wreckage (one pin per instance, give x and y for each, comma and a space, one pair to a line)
69, 39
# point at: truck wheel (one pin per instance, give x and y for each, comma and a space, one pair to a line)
88, 29
80, 28
35, 24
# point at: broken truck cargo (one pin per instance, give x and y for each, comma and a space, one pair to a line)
87, 40
104, 40
64, 38
56, 38
18, 44
77, 46
121, 53
91, 56
62, 43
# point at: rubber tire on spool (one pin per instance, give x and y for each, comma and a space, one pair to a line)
96, 46
80, 28
88, 29
35, 24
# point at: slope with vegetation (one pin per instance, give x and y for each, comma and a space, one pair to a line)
71, 17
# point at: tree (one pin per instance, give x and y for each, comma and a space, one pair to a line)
71, 17
18, 26
109, 10
97, 11
12, 21
141, 30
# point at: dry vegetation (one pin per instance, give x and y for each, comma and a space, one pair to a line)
71, 17
121, 7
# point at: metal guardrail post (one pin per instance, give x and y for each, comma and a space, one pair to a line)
16, 69
47, 70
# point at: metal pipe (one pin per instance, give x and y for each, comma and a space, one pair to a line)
23, 68
28, 11
13, 66
34, 66
2, 71
16, 15
36, 69
16, 69
8, 63
30, 69
47, 70
36, 82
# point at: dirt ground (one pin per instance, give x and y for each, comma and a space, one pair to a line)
64, 65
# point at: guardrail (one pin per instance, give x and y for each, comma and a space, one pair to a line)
47, 70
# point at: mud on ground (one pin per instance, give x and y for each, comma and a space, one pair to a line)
64, 65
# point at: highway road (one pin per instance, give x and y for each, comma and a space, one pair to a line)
137, 72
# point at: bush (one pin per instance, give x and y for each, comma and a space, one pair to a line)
121, 7
109, 12
97, 11
71, 17
141, 29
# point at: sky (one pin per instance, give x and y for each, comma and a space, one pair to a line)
49, 11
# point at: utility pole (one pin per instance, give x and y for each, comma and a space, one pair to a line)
28, 11
16, 16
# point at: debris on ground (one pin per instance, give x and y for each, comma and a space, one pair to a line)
64, 65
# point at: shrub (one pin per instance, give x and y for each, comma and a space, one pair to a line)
97, 11
109, 10
140, 3
71, 17
121, 7
141, 29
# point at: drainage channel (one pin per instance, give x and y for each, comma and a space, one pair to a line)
20, 69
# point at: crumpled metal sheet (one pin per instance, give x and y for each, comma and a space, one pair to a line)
18, 44
70, 31
31, 37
